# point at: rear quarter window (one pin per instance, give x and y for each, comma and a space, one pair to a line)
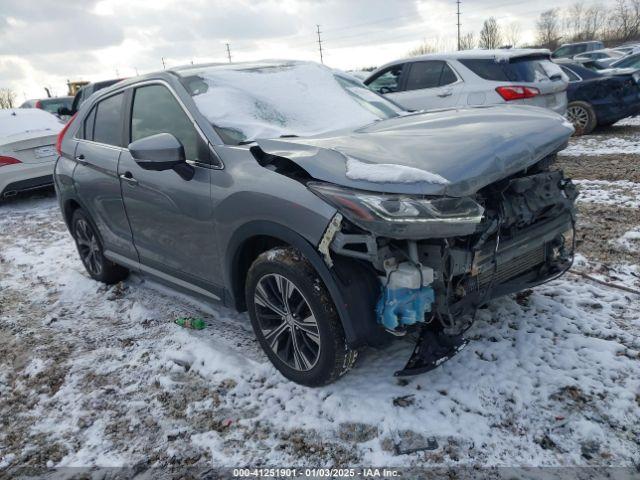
525, 69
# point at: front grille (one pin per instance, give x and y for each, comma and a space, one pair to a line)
514, 267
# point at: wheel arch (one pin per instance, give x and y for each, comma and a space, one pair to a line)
352, 286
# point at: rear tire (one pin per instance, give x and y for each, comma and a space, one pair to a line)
91, 251
582, 116
295, 320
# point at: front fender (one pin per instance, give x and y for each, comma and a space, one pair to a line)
353, 286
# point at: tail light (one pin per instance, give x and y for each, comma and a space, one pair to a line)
4, 161
38, 104
62, 133
515, 92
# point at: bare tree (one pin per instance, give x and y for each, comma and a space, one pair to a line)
490, 36
624, 21
572, 21
512, 34
468, 41
594, 22
548, 29
7, 98
431, 46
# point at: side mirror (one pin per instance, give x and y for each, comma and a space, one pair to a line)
158, 152
62, 111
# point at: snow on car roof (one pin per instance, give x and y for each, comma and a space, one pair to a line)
500, 55
282, 98
17, 121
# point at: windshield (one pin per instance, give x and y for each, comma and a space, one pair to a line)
244, 103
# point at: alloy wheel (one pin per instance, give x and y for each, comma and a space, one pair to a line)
88, 247
287, 322
578, 116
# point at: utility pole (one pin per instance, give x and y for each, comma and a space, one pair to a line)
320, 43
229, 52
458, 2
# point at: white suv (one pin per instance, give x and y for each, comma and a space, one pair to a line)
473, 78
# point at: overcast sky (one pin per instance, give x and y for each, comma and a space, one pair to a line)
45, 42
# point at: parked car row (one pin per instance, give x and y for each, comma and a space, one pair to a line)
473, 78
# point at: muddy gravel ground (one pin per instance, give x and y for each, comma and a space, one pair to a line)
92, 375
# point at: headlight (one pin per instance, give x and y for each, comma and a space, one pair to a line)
403, 216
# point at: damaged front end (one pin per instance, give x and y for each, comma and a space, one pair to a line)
438, 259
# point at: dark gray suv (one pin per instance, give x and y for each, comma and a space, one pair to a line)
335, 218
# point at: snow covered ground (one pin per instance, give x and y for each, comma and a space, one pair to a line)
95, 375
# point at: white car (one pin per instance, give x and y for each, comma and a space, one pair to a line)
473, 78
606, 56
27, 149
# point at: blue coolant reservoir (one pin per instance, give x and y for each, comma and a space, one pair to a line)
406, 295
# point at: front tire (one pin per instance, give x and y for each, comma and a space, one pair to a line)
295, 320
582, 116
91, 251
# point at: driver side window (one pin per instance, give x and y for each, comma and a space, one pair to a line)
388, 81
155, 110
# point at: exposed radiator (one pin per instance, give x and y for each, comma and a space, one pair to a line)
513, 267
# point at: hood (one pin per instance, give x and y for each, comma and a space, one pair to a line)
458, 151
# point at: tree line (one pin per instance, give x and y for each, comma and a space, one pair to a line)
614, 24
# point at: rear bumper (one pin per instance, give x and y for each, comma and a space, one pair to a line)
24, 177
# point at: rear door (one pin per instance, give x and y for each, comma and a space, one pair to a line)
96, 179
430, 84
171, 217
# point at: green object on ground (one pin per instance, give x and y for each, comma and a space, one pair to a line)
191, 322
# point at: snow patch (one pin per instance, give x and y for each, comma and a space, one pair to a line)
300, 99
597, 145
390, 173
23, 120
630, 241
619, 192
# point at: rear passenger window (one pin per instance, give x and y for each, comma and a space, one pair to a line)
107, 126
155, 110
88, 124
434, 73
447, 76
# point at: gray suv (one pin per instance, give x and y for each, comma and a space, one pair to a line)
336, 219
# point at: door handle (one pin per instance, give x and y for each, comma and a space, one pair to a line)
446, 93
80, 157
128, 177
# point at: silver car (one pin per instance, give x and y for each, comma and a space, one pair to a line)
473, 78
27, 150
336, 219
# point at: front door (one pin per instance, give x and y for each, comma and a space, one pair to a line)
170, 217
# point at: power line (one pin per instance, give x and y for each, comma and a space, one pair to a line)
228, 52
458, 2
320, 43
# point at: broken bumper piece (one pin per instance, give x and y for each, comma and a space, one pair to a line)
432, 349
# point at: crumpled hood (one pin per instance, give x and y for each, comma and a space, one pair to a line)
470, 148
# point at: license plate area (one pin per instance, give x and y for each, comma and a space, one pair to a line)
44, 152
